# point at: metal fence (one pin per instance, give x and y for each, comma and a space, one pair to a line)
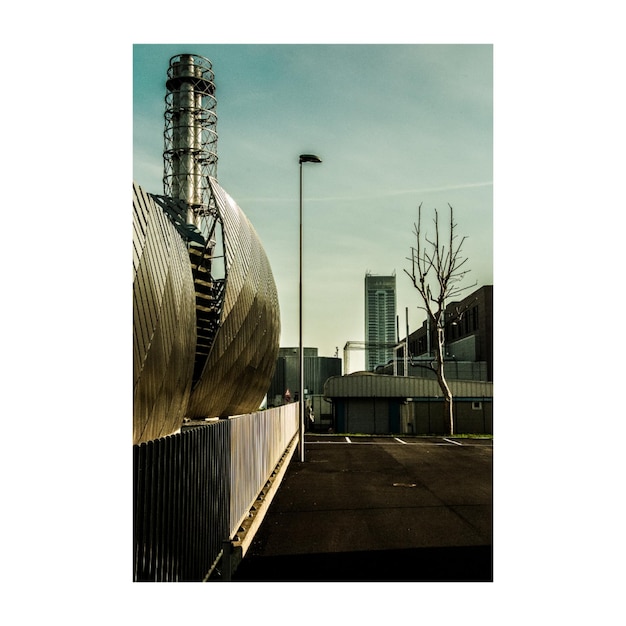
258, 442
193, 489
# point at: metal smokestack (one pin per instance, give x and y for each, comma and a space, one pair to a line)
190, 153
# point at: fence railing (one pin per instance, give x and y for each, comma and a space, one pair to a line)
193, 489
258, 442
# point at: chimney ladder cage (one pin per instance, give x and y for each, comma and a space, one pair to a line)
190, 137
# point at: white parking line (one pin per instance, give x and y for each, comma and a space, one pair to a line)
419, 442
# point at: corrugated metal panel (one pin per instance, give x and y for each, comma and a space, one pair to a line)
243, 357
164, 332
242, 360
471, 388
377, 386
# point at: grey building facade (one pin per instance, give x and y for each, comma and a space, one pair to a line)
380, 404
380, 319
285, 383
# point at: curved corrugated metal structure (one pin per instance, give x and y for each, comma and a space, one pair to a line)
167, 311
164, 322
243, 356
206, 315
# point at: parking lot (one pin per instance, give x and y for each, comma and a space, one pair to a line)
379, 509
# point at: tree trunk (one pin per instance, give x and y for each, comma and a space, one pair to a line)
443, 384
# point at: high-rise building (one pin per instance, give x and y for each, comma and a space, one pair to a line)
380, 319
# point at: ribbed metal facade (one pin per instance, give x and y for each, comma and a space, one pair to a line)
242, 360
167, 306
164, 332
376, 386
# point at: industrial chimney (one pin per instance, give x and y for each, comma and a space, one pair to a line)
190, 153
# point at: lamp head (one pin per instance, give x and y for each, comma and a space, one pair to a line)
309, 158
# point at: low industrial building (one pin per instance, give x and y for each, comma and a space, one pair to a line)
285, 383
370, 403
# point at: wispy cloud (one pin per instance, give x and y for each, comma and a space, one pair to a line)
392, 193
404, 192
254, 200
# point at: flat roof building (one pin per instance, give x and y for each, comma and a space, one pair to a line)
381, 404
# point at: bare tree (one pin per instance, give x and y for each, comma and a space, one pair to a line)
436, 272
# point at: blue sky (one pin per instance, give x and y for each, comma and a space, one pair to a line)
394, 125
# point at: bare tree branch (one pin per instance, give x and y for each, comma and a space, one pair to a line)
436, 263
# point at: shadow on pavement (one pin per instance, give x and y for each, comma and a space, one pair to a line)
441, 564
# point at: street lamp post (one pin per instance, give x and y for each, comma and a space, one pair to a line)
304, 158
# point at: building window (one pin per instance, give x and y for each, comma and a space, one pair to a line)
477, 406
421, 345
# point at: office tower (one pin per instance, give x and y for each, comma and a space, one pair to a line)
380, 319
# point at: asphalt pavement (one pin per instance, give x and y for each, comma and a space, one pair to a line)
379, 509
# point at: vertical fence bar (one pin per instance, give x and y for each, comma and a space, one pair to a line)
205, 494
166, 518
149, 520
192, 490
159, 508
187, 507
175, 508
138, 512
171, 510
184, 505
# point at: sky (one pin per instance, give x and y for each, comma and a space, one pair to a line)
395, 126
